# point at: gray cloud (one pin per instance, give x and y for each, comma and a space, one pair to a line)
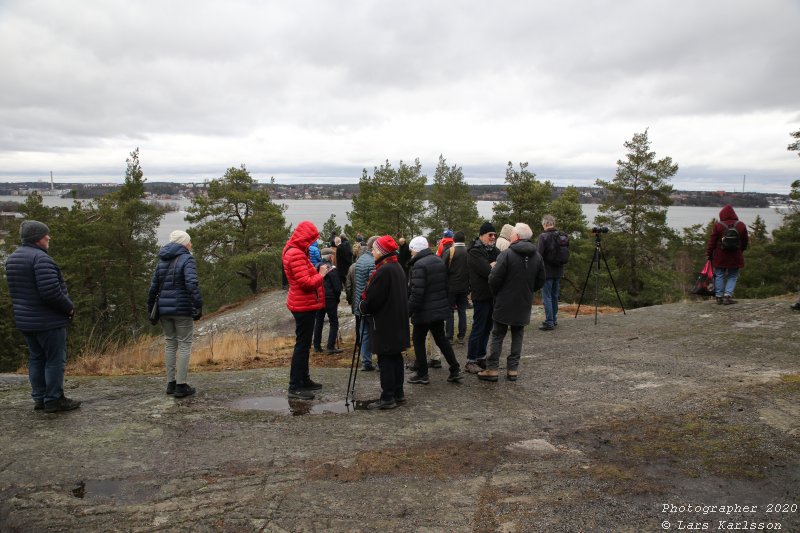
347, 84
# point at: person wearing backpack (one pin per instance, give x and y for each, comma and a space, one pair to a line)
553, 246
726, 245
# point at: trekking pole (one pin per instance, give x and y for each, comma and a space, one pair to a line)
351, 379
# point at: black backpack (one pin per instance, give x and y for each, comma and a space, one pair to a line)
557, 250
730, 238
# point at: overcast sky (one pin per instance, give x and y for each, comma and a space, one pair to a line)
314, 91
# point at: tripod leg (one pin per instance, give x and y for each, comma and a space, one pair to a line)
612, 281
586, 282
351, 379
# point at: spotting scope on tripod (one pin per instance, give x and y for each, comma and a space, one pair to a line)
594, 267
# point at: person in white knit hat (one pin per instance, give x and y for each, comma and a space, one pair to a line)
175, 291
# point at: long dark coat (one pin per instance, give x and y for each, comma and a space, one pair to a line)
386, 301
457, 269
427, 288
517, 275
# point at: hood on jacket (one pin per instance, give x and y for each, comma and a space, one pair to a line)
526, 248
172, 250
304, 234
727, 213
506, 232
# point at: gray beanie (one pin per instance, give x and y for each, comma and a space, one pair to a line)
32, 231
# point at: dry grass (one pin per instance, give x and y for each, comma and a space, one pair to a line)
221, 351
587, 309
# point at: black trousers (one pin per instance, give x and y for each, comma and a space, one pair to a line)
303, 329
331, 309
392, 375
420, 352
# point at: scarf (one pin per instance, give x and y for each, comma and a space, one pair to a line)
384, 260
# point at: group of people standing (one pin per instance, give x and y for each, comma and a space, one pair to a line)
389, 284
389, 297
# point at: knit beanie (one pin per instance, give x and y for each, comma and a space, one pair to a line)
447, 233
32, 231
459, 237
418, 244
385, 245
487, 227
180, 236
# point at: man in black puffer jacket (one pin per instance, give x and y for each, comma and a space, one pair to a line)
428, 308
42, 311
515, 277
480, 259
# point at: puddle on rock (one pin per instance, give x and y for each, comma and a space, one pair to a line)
112, 489
285, 406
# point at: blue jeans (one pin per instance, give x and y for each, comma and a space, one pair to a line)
481, 328
550, 293
457, 301
366, 349
304, 330
46, 361
723, 287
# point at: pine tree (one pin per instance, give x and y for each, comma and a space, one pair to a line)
527, 199
450, 204
239, 231
390, 201
635, 210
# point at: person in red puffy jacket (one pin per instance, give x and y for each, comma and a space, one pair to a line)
726, 258
306, 296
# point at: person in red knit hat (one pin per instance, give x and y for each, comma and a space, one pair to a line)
384, 305
306, 296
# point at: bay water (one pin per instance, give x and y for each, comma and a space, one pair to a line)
318, 211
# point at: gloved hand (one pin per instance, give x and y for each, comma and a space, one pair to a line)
197, 314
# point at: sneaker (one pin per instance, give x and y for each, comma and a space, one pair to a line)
382, 404
795, 306
367, 368
317, 349
419, 379
333, 351
411, 366
401, 399
310, 384
300, 394
719, 300
460, 340
38, 405
488, 375
455, 376
512, 375
547, 327
472, 367
727, 300
184, 389
434, 363
62, 404
171, 388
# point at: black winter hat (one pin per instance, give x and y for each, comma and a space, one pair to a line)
459, 237
487, 227
32, 231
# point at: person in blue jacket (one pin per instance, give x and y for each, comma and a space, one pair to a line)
176, 291
42, 312
314, 254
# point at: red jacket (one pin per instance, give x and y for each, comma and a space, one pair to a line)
305, 283
727, 258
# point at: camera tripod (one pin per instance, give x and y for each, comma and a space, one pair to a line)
351, 380
594, 266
